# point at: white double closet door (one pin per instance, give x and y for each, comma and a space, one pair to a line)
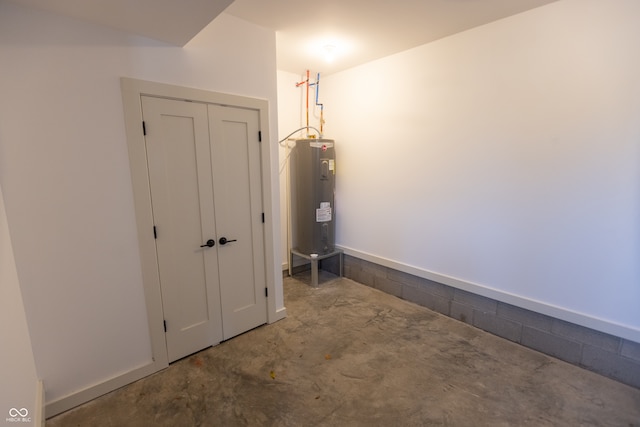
205, 178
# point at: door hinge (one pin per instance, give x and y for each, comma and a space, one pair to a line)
155, 232
144, 128
266, 292
263, 217
259, 136
164, 323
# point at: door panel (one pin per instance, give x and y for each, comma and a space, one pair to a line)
205, 179
178, 152
235, 156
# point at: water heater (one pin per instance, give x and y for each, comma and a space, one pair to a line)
313, 164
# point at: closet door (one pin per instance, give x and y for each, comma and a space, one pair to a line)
237, 184
178, 155
205, 180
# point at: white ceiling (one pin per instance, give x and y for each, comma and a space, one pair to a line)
172, 21
365, 29
359, 30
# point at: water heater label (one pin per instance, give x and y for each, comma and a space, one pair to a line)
322, 145
323, 214
332, 165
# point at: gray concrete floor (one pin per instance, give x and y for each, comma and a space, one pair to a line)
349, 355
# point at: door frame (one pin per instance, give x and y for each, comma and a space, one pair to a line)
132, 91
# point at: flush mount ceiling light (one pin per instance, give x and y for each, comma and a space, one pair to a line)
329, 53
328, 49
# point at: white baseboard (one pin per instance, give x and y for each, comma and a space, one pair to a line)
78, 398
619, 330
39, 418
281, 313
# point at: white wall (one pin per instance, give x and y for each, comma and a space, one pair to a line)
504, 160
18, 379
291, 116
64, 171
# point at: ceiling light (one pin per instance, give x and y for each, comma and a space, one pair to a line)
329, 53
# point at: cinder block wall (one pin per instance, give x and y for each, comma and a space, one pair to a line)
608, 355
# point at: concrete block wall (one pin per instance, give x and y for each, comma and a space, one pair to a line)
608, 355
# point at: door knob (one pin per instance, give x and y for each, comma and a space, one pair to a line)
209, 243
224, 240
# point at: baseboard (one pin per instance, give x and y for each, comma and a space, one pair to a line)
623, 331
38, 417
281, 313
72, 400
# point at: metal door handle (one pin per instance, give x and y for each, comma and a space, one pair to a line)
210, 243
224, 240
